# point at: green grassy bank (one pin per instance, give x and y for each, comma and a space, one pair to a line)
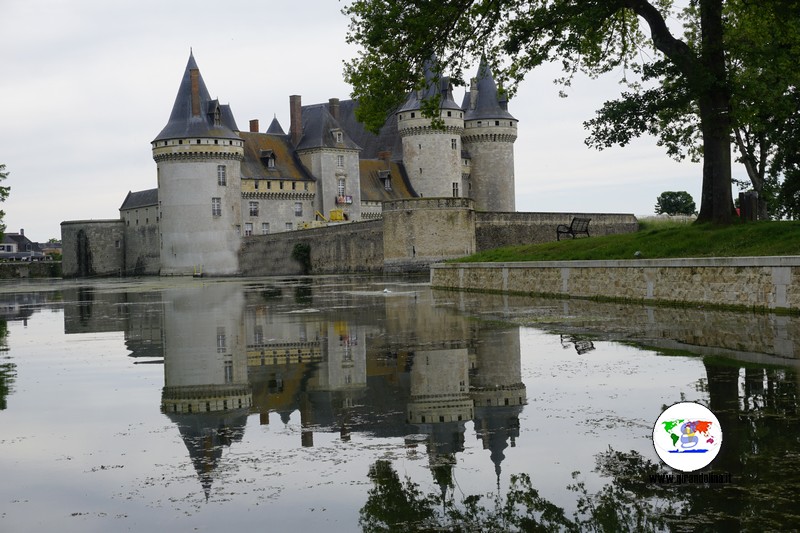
662, 240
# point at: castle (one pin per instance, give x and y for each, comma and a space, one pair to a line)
218, 185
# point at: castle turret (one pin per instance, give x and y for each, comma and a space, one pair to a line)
489, 135
199, 159
432, 156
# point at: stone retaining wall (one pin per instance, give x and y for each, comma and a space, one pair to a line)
34, 269
753, 282
353, 247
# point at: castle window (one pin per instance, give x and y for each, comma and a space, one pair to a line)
228, 379
340, 161
453, 144
222, 175
455, 189
216, 141
271, 162
340, 187
221, 342
338, 136
298, 209
248, 229
413, 114
496, 122
305, 186
264, 228
294, 185
449, 113
180, 141
255, 184
289, 226
480, 123
117, 244
198, 141
269, 185
216, 207
253, 208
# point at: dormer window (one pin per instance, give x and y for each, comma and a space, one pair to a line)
386, 178
268, 158
217, 117
338, 136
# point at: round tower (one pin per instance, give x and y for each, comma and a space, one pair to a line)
432, 156
199, 159
489, 135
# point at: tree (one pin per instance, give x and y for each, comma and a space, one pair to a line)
762, 46
590, 36
675, 203
4, 192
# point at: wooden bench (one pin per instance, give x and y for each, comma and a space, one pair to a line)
578, 225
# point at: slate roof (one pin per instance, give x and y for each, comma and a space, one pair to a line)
443, 87
183, 124
488, 103
23, 243
275, 127
318, 127
257, 146
387, 140
138, 199
373, 188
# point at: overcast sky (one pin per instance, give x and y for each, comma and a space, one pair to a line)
87, 84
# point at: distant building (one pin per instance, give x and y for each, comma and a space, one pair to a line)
17, 247
217, 185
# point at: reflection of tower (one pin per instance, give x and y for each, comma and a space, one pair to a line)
439, 406
206, 392
498, 391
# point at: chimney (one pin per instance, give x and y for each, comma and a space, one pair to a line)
333, 108
194, 74
254, 125
22, 231
295, 118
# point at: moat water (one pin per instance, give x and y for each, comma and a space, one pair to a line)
375, 404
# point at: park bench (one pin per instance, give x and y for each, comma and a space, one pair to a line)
578, 225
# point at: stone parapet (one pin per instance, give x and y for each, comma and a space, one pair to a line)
745, 282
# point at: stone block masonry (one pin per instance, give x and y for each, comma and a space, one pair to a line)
770, 283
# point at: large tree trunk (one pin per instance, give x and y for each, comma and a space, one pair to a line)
707, 78
714, 101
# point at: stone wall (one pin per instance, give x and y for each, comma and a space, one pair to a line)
494, 230
34, 269
422, 231
142, 252
752, 282
346, 248
93, 248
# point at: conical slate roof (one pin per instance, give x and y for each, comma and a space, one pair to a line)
488, 104
202, 118
443, 87
275, 127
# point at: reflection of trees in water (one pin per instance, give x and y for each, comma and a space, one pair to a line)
8, 370
759, 411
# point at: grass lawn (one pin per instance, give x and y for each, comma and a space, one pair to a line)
657, 239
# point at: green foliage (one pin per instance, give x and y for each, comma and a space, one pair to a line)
302, 254
594, 37
675, 203
762, 48
660, 240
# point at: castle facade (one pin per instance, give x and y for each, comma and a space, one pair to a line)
217, 185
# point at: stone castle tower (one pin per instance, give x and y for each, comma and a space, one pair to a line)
473, 154
199, 159
432, 156
489, 135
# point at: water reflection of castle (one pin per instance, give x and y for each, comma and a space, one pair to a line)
387, 365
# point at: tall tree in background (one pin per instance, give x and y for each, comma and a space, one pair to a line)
4, 192
590, 36
762, 49
675, 203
